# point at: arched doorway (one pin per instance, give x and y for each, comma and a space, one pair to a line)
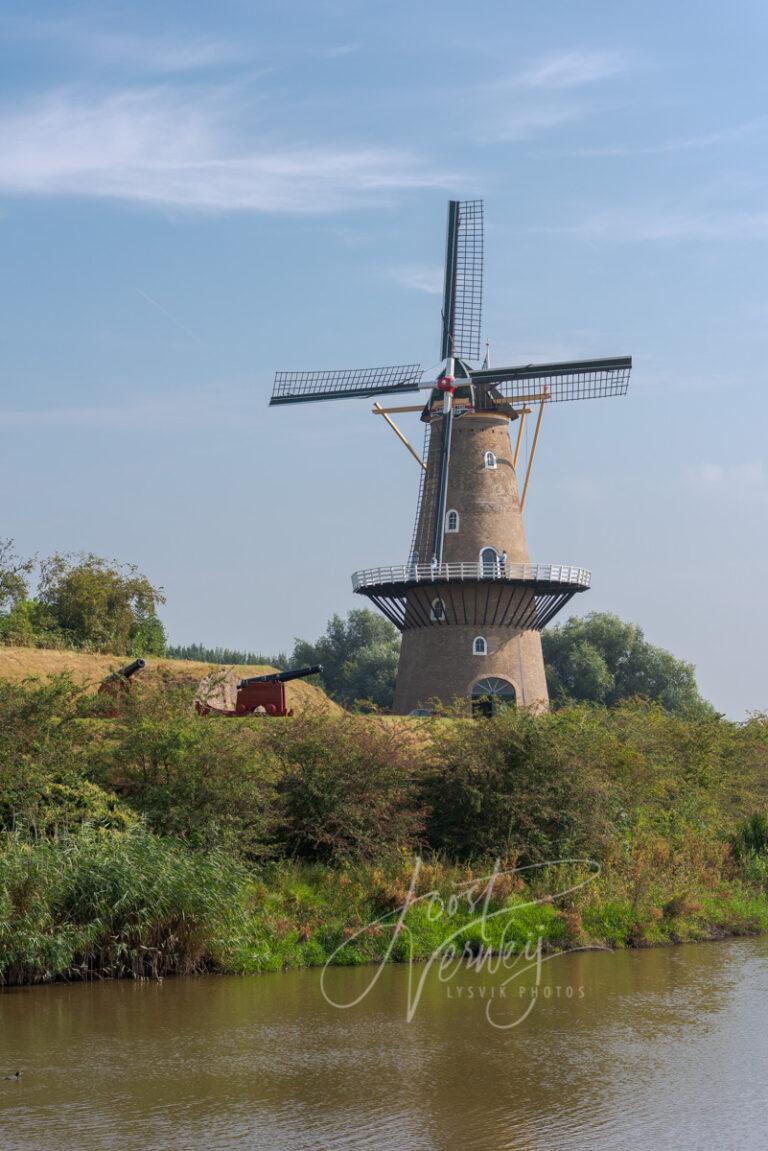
489, 563
491, 694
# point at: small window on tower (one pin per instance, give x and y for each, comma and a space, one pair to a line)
438, 610
480, 647
452, 521
490, 460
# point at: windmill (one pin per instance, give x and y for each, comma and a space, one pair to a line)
468, 601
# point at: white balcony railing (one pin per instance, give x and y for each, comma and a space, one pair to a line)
441, 573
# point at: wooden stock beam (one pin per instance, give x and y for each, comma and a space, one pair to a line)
532, 453
387, 411
379, 411
518, 441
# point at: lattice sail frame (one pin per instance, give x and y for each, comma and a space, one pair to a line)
469, 280
557, 383
553, 383
343, 383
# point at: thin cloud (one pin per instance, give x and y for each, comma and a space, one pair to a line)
543, 96
185, 150
418, 277
630, 227
745, 482
335, 52
521, 122
572, 70
161, 54
682, 144
194, 408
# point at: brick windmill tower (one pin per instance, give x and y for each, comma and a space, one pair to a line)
468, 601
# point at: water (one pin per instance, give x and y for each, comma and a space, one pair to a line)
649, 1049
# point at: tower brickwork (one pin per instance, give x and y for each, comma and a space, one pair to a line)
440, 661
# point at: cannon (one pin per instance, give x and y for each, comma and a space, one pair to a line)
119, 679
224, 693
119, 682
127, 671
282, 676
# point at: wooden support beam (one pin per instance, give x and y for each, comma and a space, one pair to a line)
380, 412
534, 398
519, 440
532, 453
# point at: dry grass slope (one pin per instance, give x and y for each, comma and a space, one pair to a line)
17, 663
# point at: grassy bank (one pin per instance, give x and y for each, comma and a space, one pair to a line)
88, 669
132, 904
156, 843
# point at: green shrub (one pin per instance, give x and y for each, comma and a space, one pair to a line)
512, 786
346, 787
43, 756
751, 837
209, 782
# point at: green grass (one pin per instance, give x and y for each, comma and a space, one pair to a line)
129, 903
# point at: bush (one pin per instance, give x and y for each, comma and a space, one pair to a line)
511, 786
751, 837
43, 761
209, 782
346, 787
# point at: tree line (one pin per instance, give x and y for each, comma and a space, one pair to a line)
597, 659
87, 602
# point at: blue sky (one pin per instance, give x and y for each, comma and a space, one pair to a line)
192, 196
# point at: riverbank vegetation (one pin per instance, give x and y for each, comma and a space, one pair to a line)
156, 842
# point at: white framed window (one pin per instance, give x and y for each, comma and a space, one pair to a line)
452, 520
479, 645
490, 460
438, 610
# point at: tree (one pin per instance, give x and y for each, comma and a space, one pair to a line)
14, 576
100, 603
16, 610
359, 657
602, 659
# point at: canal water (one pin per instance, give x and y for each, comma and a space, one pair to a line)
656, 1049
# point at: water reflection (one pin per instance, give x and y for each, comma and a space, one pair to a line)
662, 1049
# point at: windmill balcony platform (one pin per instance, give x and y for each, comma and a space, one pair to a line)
511, 595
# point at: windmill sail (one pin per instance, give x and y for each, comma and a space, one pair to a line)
463, 285
574, 380
345, 383
460, 339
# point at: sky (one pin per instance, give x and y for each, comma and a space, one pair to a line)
193, 196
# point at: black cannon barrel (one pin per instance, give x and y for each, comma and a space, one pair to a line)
131, 668
282, 676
